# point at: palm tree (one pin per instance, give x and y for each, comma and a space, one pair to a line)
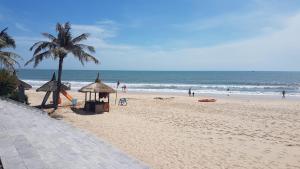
7, 59
58, 47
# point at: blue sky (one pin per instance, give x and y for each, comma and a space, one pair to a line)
166, 35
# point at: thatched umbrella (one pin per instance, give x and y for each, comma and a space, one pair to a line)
102, 89
21, 87
24, 84
49, 87
21, 83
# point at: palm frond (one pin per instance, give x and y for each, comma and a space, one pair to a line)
8, 59
4, 30
43, 46
81, 37
39, 57
83, 56
11, 55
49, 36
2, 42
58, 27
36, 44
8, 40
67, 26
7, 64
86, 47
89, 57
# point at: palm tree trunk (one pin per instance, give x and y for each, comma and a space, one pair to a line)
61, 59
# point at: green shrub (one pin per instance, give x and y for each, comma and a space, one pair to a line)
8, 83
14, 95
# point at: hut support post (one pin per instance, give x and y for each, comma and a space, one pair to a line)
90, 96
95, 96
85, 97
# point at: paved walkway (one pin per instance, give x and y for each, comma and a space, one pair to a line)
29, 139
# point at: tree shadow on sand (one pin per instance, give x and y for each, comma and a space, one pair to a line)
47, 106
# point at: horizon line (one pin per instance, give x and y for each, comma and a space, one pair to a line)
165, 70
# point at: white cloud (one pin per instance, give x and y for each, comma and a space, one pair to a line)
279, 50
94, 30
258, 16
255, 21
107, 22
27, 40
100, 32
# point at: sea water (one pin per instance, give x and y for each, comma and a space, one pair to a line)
210, 82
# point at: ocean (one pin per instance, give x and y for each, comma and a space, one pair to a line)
207, 82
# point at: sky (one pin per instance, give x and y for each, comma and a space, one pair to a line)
165, 34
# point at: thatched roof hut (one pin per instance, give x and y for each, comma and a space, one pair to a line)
97, 87
51, 86
103, 91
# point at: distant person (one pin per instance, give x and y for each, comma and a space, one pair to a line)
124, 88
283, 94
193, 94
118, 83
190, 91
228, 91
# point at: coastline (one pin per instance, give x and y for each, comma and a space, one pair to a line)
201, 95
221, 96
205, 82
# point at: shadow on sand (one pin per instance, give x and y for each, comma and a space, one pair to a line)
81, 111
47, 106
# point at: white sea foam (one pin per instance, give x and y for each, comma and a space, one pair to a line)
197, 88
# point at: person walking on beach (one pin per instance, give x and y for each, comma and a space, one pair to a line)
118, 83
228, 91
283, 94
124, 88
190, 91
193, 94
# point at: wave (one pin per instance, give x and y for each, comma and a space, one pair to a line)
247, 89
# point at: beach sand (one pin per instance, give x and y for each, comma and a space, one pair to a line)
180, 133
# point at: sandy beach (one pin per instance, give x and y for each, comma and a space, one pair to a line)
178, 132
